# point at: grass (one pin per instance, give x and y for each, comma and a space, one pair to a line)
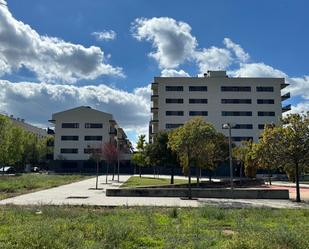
174, 228
20, 184
136, 181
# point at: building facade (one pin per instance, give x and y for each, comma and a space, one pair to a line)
246, 103
80, 131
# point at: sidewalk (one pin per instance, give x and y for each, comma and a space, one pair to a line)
82, 193
289, 184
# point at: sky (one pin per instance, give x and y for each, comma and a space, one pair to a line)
56, 55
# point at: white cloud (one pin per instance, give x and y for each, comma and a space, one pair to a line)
241, 55
172, 40
302, 107
299, 86
174, 73
50, 58
213, 59
106, 35
257, 70
37, 101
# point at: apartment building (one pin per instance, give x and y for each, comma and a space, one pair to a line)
246, 103
39, 132
81, 131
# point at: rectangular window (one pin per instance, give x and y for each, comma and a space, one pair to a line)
172, 126
264, 89
92, 150
70, 125
236, 101
174, 113
266, 101
269, 114
198, 101
236, 88
198, 88
239, 139
93, 138
69, 138
94, 125
174, 101
261, 126
198, 113
68, 151
229, 113
174, 88
243, 126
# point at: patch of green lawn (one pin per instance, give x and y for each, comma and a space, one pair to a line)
132, 228
136, 181
20, 184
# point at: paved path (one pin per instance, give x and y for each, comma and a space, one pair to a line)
81, 193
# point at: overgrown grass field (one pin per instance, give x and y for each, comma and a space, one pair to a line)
207, 227
20, 184
136, 181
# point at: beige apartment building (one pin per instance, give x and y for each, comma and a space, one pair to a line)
81, 131
246, 103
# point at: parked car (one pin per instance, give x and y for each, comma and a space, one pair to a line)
7, 170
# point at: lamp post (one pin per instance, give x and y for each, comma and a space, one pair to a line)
229, 127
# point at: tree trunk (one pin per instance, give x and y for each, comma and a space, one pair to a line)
210, 174
197, 176
154, 171
189, 185
269, 176
114, 170
106, 173
140, 171
297, 182
172, 174
97, 176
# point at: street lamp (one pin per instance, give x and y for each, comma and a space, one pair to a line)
229, 126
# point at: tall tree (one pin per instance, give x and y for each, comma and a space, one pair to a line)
5, 140
139, 157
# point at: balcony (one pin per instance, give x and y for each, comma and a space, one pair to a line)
286, 108
285, 96
113, 131
154, 86
154, 121
284, 85
50, 131
154, 109
154, 97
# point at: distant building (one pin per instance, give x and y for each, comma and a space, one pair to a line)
246, 103
41, 133
82, 130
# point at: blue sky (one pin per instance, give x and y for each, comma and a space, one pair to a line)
272, 35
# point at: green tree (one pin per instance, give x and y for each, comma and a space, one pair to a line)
189, 142
158, 153
5, 139
289, 144
139, 157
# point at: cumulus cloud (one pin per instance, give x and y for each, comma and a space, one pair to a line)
172, 40
174, 73
258, 70
130, 109
241, 55
302, 107
106, 35
50, 58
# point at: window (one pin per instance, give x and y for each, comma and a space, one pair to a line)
69, 138
266, 101
264, 89
242, 126
225, 113
198, 113
270, 114
239, 139
198, 88
94, 125
70, 125
92, 150
174, 113
172, 126
261, 126
68, 151
93, 138
174, 101
236, 101
198, 101
235, 88
174, 88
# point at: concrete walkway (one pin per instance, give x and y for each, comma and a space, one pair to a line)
82, 193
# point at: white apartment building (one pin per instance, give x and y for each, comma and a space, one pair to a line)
246, 103
80, 131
